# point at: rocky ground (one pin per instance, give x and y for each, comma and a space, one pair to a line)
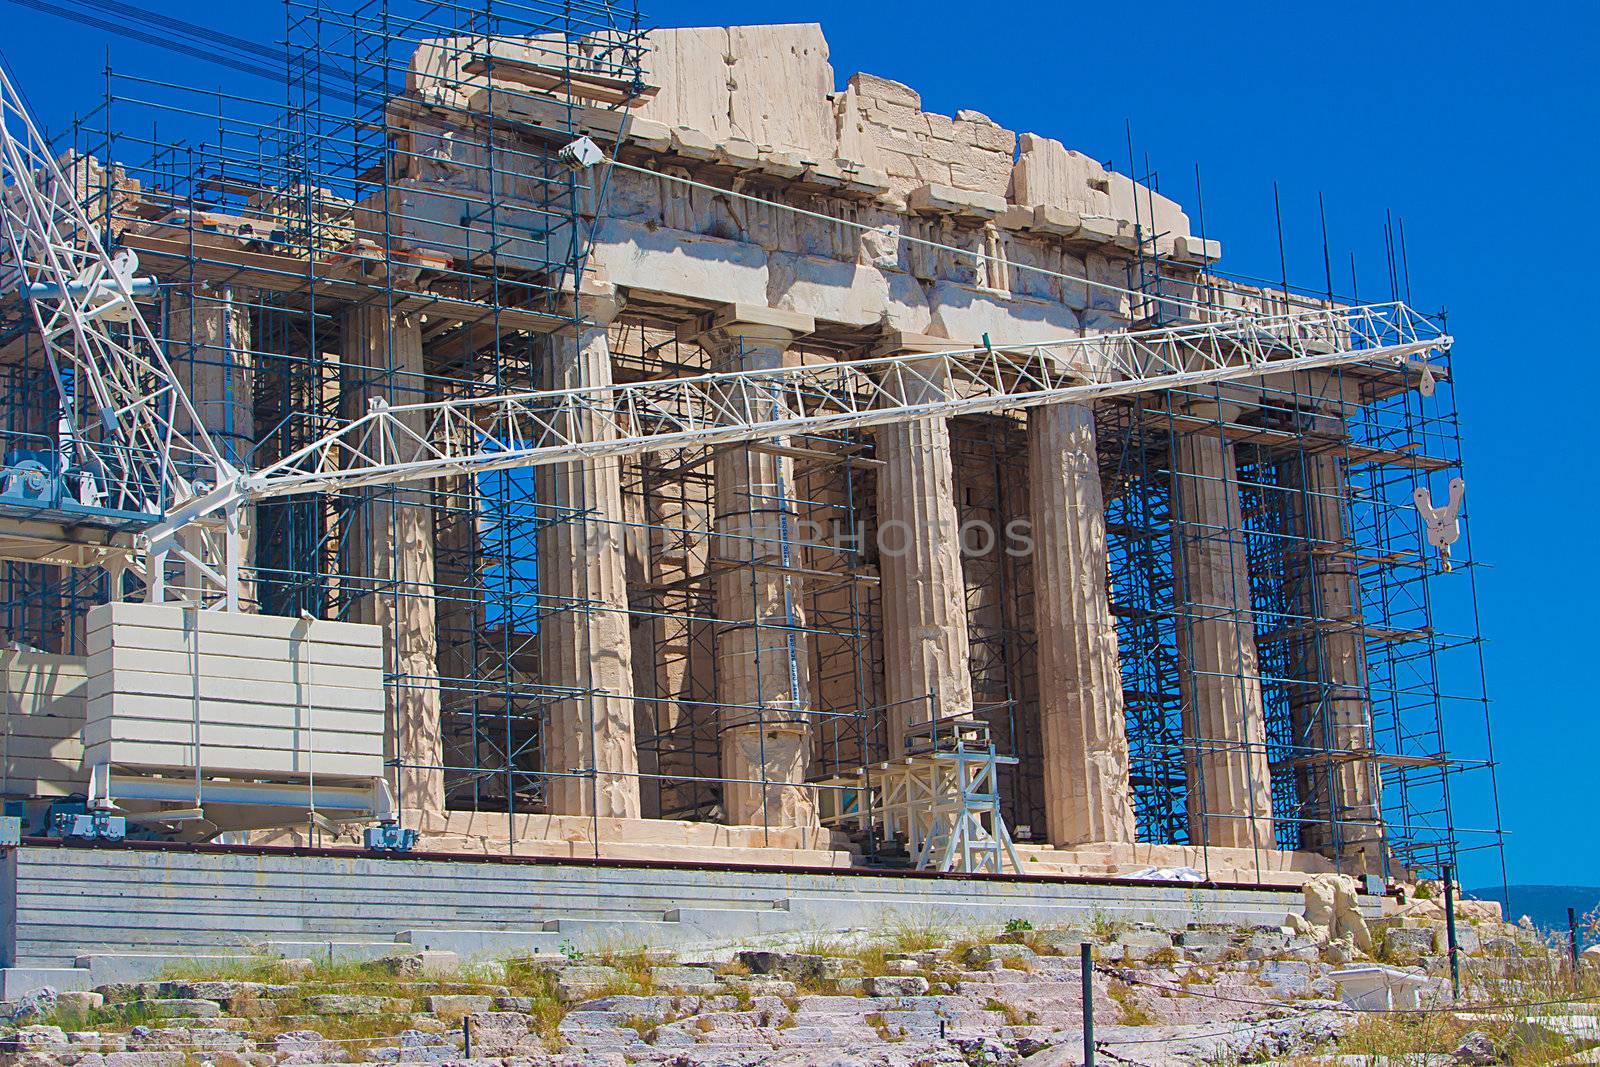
1205, 994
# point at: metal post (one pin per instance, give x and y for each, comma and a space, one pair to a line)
466, 1036
1572, 943
1086, 965
1450, 930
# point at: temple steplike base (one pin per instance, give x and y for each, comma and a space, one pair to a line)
1228, 865
468, 833
575, 837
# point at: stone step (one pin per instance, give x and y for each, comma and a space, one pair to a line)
15, 981
336, 950
712, 925
593, 935
485, 944
105, 968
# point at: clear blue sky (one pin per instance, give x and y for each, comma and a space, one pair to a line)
1478, 123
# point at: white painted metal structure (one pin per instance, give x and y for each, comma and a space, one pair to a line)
126, 425
941, 800
417, 442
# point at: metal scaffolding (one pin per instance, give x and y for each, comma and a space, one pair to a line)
272, 230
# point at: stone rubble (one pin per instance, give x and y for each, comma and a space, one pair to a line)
1207, 993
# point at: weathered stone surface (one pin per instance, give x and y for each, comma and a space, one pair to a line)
80, 1001
1230, 785
497, 1032
459, 1004
690, 979
423, 963
1142, 944
588, 651
1087, 792
34, 1003
1003, 953
354, 1004
1206, 946
799, 966
1402, 944
584, 981
178, 1007
896, 986
1500, 945
927, 674
1332, 909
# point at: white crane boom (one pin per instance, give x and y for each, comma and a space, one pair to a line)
127, 429
418, 442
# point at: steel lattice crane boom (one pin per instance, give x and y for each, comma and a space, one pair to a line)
128, 445
129, 420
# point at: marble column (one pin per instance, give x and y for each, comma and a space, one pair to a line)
1087, 793
1224, 718
1329, 707
925, 646
586, 645
208, 333
389, 556
763, 652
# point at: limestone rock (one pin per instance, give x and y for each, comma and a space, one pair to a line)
689, 979
1404, 943
1476, 1048
584, 981
799, 966
35, 1003
459, 1004
896, 986
423, 963
1001, 953
80, 1001
496, 1032
184, 1008
1206, 946
1142, 944
1332, 908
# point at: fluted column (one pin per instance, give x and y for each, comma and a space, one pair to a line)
1224, 718
763, 654
585, 644
208, 332
1087, 794
389, 555
925, 648
1329, 707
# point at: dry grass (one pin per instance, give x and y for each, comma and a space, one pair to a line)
635, 974
1014, 1015
1131, 1011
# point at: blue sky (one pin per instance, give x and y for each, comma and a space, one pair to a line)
1477, 123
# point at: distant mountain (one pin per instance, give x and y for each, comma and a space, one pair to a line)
1546, 905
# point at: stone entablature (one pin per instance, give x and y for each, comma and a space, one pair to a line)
754, 110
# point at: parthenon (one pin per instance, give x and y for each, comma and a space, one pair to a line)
1097, 636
